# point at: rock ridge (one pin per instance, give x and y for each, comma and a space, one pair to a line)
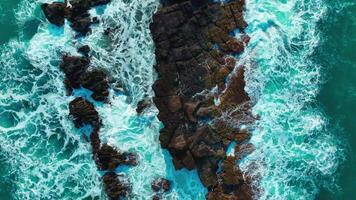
200, 91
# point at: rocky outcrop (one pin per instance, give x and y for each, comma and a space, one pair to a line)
54, 12
143, 104
84, 50
199, 85
160, 186
75, 11
114, 187
77, 75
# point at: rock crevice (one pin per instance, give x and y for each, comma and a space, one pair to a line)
200, 87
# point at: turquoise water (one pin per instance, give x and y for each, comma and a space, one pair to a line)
300, 74
42, 155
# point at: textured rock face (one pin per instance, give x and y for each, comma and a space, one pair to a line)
54, 12
83, 113
115, 189
77, 75
195, 53
160, 186
75, 11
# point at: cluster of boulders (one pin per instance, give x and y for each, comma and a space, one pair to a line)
79, 74
75, 11
160, 186
198, 86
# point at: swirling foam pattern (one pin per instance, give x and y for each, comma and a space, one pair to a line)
296, 155
46, 156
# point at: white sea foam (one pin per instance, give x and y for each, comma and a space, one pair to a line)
45, 152
128, 54
295, 154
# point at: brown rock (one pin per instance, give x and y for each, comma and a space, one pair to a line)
114, 188
161, 185
54, 12
83, 112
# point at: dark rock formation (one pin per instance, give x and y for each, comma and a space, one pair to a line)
161, 185
143, 104
54, 12
195, 52
108, 158
77, 13
114, 187
74, 67
96, 81
83, 113
77, 74
84, 50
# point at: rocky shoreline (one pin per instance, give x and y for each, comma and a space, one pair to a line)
200, 93
80, 74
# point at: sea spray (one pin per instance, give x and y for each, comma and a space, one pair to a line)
295, 154
46, 155
127, 52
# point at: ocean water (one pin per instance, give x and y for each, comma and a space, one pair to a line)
298, 152
300, 65
42, 155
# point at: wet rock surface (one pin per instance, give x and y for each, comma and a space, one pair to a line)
143, 105
75, 11
196, 63
160, 186
114, 187
54, 12
80, 74
83, 113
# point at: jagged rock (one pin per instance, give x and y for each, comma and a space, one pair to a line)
108, 158
194, 52
178, 142
231, 175
115, 189
77, 13
96, 80
74, 67
190, 110
54, 12
207, 172
161, 185
84, 50
235, 93
142, 105
83, 112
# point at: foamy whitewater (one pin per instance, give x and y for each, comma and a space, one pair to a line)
48, 158
295, 154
